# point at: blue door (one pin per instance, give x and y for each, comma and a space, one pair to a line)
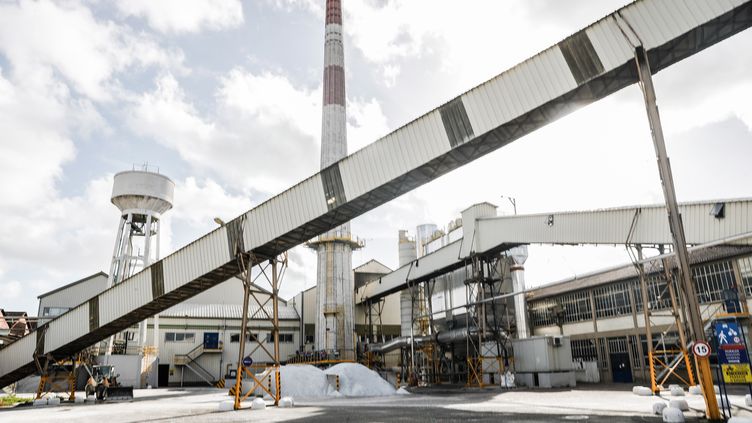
211, 340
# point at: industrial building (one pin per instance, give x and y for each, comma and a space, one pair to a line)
458, 308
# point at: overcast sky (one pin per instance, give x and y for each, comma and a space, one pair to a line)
225, 98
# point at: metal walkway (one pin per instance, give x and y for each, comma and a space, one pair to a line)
486, 235
583, 68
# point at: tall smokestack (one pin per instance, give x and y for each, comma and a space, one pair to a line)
334, 278
333, 126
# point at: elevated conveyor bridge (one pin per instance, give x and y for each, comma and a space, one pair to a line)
591, 64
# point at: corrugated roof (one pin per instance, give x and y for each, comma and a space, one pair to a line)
373, 266
227, 311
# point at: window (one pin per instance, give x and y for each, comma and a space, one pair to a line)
745, 268
634, 349
542, 313
576, 306
54, 311
658, 293
712, 279
612, 300
284, 338
180, 337
584, 349
235, 337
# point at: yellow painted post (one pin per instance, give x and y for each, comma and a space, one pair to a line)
708, 391
279, 389
653, 384
238, 384
690, 371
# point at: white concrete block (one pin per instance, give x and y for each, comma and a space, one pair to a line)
677, 391
716, 389
680, 404
53, 401
644, 391
226, 405
286, 402
658, 407
695, 390
39, 402
723, 402
258, 404
79, 400
740, 420
673, 415
748, 400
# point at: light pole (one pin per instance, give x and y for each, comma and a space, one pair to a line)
513, 201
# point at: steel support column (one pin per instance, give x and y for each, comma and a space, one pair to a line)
677, 230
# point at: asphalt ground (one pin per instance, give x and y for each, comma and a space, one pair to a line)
598, 403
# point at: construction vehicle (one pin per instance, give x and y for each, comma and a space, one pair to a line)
104, 385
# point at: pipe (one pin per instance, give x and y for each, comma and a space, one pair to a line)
401, 342
445, 337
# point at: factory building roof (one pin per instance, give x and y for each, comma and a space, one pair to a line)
227, 311
72, 284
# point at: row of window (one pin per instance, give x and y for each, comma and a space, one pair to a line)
615, 299
284, 338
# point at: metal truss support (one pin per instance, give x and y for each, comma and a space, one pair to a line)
677, 230
276, 266
475, 323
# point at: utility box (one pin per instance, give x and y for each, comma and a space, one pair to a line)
543, 362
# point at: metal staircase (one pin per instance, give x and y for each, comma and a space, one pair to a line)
190, 361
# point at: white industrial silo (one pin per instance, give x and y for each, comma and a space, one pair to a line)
142, 197
407, 254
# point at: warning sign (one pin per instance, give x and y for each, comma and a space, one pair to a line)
736, 373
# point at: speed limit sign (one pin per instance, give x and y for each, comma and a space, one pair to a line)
701, 349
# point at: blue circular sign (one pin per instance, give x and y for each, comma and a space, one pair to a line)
247, 361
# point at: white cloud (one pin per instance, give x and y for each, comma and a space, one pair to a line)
184, 16
393, 33
263, 135
197, 203
366, 123
11, 291
67, 37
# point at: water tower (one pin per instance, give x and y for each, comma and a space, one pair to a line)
142, 197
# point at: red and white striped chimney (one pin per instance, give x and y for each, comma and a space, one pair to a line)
333, 125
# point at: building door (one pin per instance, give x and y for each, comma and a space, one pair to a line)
163, 375
211, 340
621, 369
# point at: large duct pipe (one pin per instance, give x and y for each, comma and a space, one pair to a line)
519, 256
397, 343
452, 336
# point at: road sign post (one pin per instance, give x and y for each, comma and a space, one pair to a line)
701, 349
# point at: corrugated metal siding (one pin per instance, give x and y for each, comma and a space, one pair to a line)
302, 203
518, 90
397, 153
612, 226
196, 259
18, 354
71, 325
125, 297
74, 295
609, 42
657, 22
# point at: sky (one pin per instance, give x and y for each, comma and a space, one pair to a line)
224, 97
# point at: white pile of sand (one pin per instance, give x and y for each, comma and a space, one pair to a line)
356, 380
